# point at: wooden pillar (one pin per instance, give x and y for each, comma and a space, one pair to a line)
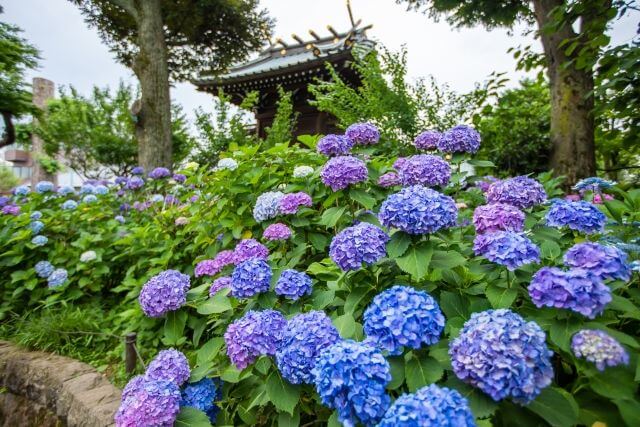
43, 90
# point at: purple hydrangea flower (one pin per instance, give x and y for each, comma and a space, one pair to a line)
430, 406
403, 317
418, 210
580, 216
278, 231
250, 248
389, 179
334, 145
503, 355
134, 183
291, 202
44, 269
57, 278
497, 217
425, 169
507, 248
363, 134
4, 201
521, 192
606, 262
254, 334
218, 284
179, 178
211, 267
120, 180
305, 336
340, 172
152, 403
164, 292
11, 210
427, 140
159, 173
460, 139
293, 284
138, 170
484, 183
361, 243
134, 385
351, 378
599, 348
44, 187
169, 365
250, 277
202, 395
120, 219
397, 165
267, 205
576, 290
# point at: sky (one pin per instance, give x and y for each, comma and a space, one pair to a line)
73, 54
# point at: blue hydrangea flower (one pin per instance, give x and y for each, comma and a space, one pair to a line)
169, 365
576, 290
21, 190
267, 205
57, 278
580, 216
430, 406
164, 292
418, 210
134, 183
361, 243
152, 403
334, 145
87, 188
507, 248
35, 215
293, 284
65, 190
89, 198
599, 348
425, 169
5, 200
363, 134
594, 184
427, 140
69, 205
159, 173
36, 226
250, 277
254, 334
101, 190
607, 262
459, 139
44, 269
522, 192
44, 187
503, 355
39, 240
403, 317
351, 378
119, 218
202, 395
227, 163
138, 170
305, 336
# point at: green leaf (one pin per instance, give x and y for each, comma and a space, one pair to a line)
453, 305
219, 303
416, 260
346, 325
481, 405
331, 216
354, 299
500, 297
191, 417
422, 371
333, 420
362, 197
481, 163
283, 395
398, 244
630, 411
616, 208
397, 372
209, 350
446, 260
318, 241
550, 249
561, 332
174, 327
286, 420
556, 406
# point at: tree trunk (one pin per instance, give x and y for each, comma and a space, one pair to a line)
572, 123
153, 128
43, 91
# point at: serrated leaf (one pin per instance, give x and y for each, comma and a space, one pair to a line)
174, 327
481, 405
363, 198
446, 260
219, 303
191, 417
398, 244
556, 406
561, 332
283, 395
500, 297
416, 260
346, 325
422, 371
209, 350
287, 420
331, 216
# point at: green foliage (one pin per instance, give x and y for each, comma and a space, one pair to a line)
515, 130
7, 179
284, 121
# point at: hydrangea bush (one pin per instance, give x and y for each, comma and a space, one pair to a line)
301, 288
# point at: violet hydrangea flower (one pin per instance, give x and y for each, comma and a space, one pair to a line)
267, 205
363, 134
351, 378
44, 269
163, 293
11, 210
389, 179
134, 183
169, 365
211, 267
430, 406
277, 231
503, 355
293, 284
427, 140
219, 284
576, 290
507, 248
361, 243
522, 192
249, 248
340, 172
305, 336
496, 217
425, 169
459, 139
485, 182
607, 262
159, 173
403, 317
254, 334
418, 210
57, 278
290, 203
599, 348
152, 403
250, 277
580, 216
138, 170
334, 145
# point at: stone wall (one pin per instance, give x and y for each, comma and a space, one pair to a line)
42, 389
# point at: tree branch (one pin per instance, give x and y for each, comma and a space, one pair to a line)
619, 169
128, 6
9, 136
